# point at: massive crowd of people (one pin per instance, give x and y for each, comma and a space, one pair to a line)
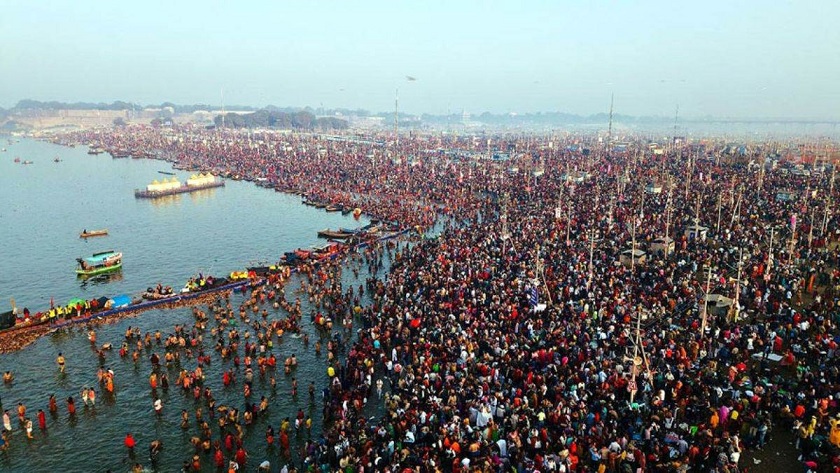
523, 337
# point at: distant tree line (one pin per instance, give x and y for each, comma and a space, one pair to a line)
267, 118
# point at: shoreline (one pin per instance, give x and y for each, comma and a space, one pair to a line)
17, 338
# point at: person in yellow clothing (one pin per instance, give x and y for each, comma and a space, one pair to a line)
60, 361
834, 435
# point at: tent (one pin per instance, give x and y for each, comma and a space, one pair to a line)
120, 301
7, 319
74, 302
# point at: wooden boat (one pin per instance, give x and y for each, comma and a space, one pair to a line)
27, 162
334, 234
57, 160
93, 233
302, 254
333, 208
167, 173
327, 251
99, 263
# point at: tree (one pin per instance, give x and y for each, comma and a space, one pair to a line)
119, 121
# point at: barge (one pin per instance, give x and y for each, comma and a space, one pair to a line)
172, 186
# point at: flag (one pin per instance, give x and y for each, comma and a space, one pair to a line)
533, 296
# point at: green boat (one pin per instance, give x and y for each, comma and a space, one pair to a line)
102, 262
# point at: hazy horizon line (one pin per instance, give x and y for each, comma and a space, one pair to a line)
472, 114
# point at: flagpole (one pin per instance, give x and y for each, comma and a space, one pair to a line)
738, 283
770, 254
706, 303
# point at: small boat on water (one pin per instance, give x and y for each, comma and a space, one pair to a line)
102, 262
17, 160
334, 234
93, 233
333, 208
302, 254
57, 159
167, 173
28, 162
327, 251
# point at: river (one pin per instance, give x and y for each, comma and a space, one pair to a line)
43, 208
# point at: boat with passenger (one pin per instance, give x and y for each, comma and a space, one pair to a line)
93, 233
102, 262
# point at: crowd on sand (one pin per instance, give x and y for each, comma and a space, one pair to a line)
519, 339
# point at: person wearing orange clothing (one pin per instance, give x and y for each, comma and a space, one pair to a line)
129, 441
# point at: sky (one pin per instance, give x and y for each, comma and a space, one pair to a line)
720, 58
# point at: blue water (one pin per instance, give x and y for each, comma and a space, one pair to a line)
43, 208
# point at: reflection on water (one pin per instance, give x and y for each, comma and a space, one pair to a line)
166, 200
196, 197
203, 194
99, 279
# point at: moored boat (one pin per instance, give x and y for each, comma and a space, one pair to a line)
328, 250
102, 262
334, 234
172, 186
93, 233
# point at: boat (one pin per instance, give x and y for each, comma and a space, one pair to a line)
167, 173
303, 254
315, 203
334, 234
327, 251
27, 162
57, 160
93, 233
333, 208
95, 150
17, 160
102, 262
172, 186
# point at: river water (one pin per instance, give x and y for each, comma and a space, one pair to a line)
43, 207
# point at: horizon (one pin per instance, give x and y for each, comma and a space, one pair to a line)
749, 59
243, 108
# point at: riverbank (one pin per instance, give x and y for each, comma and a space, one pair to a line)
18, 337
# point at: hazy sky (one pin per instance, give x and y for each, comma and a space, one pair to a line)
738, 58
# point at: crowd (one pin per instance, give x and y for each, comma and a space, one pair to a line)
518, 340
